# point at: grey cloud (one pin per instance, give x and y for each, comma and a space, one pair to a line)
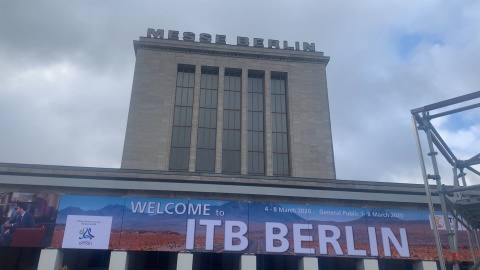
81, 120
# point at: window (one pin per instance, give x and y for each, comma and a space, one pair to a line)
279, 126
231, 122
207, 120
256, 164
182, 119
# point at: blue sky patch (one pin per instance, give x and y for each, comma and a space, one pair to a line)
406, 43
458, 121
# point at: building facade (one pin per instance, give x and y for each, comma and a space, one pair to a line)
205, 107
228, 164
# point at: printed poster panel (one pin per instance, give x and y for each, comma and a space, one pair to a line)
93, 206
464, 252
35, 232
339, 231
155, 224
272, 227
217, 226
398, 234
177, 225
87, 232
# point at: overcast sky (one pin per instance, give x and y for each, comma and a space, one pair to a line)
66, 70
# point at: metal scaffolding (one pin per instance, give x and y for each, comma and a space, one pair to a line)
458, 200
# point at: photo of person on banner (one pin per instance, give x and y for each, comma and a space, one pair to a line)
10, 220
42, 207
23, 220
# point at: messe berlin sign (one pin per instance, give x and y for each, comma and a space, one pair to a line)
165, 224
222, 39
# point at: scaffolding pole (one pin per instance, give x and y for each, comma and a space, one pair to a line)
429, 198
464, 208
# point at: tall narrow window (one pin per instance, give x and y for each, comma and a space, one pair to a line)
207, 120
256, 164
279, 126
182, 119
231, 122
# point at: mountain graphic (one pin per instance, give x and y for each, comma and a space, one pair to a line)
176, 222
258, 214
115, 211
153, 222
232, 210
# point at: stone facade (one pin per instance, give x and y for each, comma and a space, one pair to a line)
149, 128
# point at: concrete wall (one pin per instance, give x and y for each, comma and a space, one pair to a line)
148, 136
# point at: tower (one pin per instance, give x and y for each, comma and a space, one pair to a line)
232, 109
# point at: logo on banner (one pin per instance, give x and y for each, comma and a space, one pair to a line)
86, 233
92, 232
440, 223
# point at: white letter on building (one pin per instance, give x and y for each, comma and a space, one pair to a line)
387, 235
159, 204
210, 231
240, 235
151, 206
270, 237
166, 208
372, 238
190, 234
323, 239
180, 212
351, 243
298, 238
193, 210
206, 209
138, 207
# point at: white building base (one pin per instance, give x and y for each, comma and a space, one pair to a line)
425, 265
248, 262
118, 260
185, 261
50, 259
367, 264
308, 263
